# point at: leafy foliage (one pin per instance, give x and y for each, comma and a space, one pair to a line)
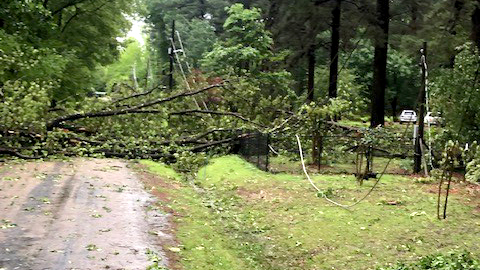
471, 155
132, 59
24, 106
246, 47
450, 261
456, 93
402, 75
349, 90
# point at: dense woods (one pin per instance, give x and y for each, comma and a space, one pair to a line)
212, 71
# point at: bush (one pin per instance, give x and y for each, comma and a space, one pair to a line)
449, 261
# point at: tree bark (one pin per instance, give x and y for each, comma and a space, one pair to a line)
311, 73
246, 4
394, 107
380, 65
421, 113
172, 57
202, 9
476, 25
332, 87
414, 17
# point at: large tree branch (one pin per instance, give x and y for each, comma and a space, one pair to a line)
67, 5
137, 94
79, 12
217, 113
196, 139
135, 109
15, 153
210, 144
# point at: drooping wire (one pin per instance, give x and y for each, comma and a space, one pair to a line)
367, 194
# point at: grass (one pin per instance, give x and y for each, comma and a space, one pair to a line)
237, 217
346, 165
200, 244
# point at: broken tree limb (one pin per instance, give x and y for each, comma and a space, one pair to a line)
138, 94
343, 127
15, 153
188, 112
328, 122
196, 139
134, 109
210, 144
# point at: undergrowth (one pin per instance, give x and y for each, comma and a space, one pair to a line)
233, 216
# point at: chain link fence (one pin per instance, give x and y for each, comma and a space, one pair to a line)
254, 148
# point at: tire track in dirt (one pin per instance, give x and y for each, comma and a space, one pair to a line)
82, 214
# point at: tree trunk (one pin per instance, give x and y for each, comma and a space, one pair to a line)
380, 65
202, 9
421, 113
458, 6
332, 87
172, 57
311, 73
414, 17
394, 108
476, 25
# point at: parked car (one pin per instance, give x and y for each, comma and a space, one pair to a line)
408, 116
433, 118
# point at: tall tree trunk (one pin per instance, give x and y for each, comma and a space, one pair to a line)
458, 5
414, 17
172, 56
311, 73
421, 113
202, 9
394, 107
332, 87
310, 97
380, 65
476, 25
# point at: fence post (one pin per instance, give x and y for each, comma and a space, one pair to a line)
320, 152
268, 152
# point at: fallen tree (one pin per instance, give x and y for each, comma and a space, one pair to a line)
130, 110
159, 125
149, 124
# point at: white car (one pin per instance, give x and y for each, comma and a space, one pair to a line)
408, 116
432, 118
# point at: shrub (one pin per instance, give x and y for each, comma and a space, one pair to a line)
450, 261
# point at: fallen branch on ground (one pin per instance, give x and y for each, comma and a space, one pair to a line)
217, 113
15, 153
137, 94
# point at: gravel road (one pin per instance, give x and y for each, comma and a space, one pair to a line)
78, 214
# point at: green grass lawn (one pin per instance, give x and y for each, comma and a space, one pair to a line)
237, 217
283, 164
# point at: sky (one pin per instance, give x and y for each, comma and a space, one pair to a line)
136, 30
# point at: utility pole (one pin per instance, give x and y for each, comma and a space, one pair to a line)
172, 56
421, 112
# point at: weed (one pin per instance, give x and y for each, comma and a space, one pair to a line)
155, 260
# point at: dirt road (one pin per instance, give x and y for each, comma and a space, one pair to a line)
80, 214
